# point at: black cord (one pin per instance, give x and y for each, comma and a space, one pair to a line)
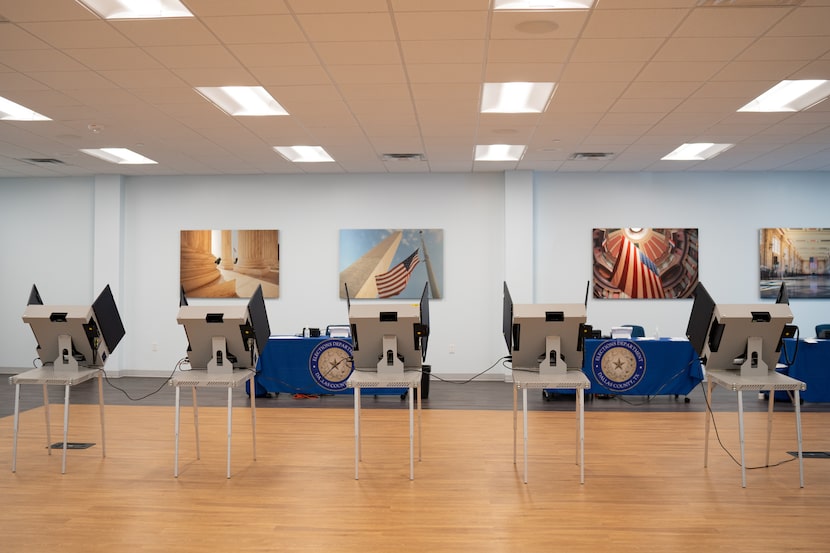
154, 392
787, 360
648, 399
711, 415
469, 379
260, 377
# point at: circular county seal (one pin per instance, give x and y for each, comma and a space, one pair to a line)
618, 365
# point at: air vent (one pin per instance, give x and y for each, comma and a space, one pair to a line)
578, 156
42, 161
403, 157
747, 3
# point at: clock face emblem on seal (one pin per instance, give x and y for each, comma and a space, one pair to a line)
330, 364
618, 365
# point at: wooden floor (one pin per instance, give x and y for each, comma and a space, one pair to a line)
645, 489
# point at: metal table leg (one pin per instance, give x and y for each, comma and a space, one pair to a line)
196, 422
411, 436
47, 414
581, 430
515, 394
741, 434
253, 413
230, 427
65, 426
357, 452
176, 447
101, 410
524, 415
16, 425
798, 432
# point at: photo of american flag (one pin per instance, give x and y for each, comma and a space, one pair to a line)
636, 274
645, 263
391, 263
393, 282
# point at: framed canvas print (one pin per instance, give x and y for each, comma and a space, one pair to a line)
799, 257
391, 263
645, 263
229, 263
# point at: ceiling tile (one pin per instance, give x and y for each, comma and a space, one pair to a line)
683, 49
268, 55
100, 59
634, 77
255, 29
441, 25
608, 50
633, 23
359, 53
730, 22
528, 51
443, 51
206, 8
349, 27
166, 32
77, 34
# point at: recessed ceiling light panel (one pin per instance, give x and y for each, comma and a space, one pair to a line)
790, 96
10, 111
698, 151
304, 154
242, 101
542, 4
500, 152
136, 9
516, 97
120, 156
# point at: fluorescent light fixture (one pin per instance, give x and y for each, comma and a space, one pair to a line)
543, 4
499, 152
242, 101
121, 156
304, 154
790, 96
515, 97
136, 9
696, 151
9, 111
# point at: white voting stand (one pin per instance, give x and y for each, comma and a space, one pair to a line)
214, 328
550, 375
74, 342
558, 367
741, 354
387, 354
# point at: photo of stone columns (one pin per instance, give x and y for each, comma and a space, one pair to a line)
229, 263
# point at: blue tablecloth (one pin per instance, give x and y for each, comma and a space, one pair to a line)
285, 366
811, 364
641, 366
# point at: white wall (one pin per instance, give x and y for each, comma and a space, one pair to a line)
728, 209
49, 237
46, 234
309, 212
